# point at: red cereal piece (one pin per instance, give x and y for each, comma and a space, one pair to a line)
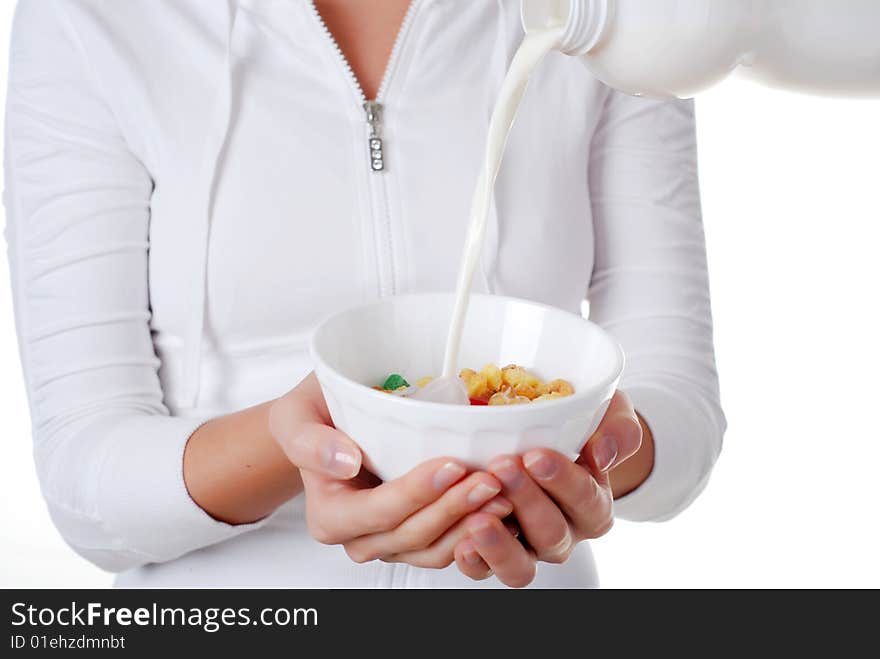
479, 401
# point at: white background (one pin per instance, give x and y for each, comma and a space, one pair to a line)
791, 194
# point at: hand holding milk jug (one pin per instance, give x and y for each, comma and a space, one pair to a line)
668, 48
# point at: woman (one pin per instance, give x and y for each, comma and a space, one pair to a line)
189, 191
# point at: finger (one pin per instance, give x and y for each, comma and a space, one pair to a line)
422, 528
499, 506
343, 512
300, 424
586, 503
440, 553
469, 561
512, 563
322, 449
543, 524
618, 437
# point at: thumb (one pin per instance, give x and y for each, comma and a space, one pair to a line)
307, 440
617, 438
320, 448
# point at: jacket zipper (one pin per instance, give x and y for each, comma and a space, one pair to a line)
375, 146
374, 121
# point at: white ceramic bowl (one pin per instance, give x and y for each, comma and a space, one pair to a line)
357, 348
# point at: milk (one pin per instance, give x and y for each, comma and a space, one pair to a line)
450, 390
530, 53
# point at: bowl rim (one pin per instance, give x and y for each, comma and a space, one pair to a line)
413, 405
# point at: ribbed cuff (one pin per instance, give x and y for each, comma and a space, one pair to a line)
686, 444
143, 501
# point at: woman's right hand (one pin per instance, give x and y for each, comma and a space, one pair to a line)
415, 519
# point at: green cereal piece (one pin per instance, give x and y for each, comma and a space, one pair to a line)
394, 382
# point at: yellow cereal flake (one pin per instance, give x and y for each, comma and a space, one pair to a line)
523, 382
561, 387
477, 384
493, 377
425, 381
513, 375
507, 397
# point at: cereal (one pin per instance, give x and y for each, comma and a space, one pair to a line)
553, 395
493, 376
521, 381
394, 382
508, 396
513, 375
561, 387
511, 385
477, 383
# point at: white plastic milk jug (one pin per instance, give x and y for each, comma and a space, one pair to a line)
670, 48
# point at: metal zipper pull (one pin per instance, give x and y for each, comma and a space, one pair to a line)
374, 119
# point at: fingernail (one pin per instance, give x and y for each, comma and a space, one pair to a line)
339, 460
630, 438
498, 506
605, 452
540, 465
509, 473
447, 475
484, 533
481, 493
471, 557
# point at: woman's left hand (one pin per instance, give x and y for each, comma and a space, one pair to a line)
557, 503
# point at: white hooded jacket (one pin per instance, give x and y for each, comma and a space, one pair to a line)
189, 191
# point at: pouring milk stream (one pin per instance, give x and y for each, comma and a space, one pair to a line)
449, 388
533, 49
669, 48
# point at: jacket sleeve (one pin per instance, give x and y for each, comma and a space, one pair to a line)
650, 290
108, 455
